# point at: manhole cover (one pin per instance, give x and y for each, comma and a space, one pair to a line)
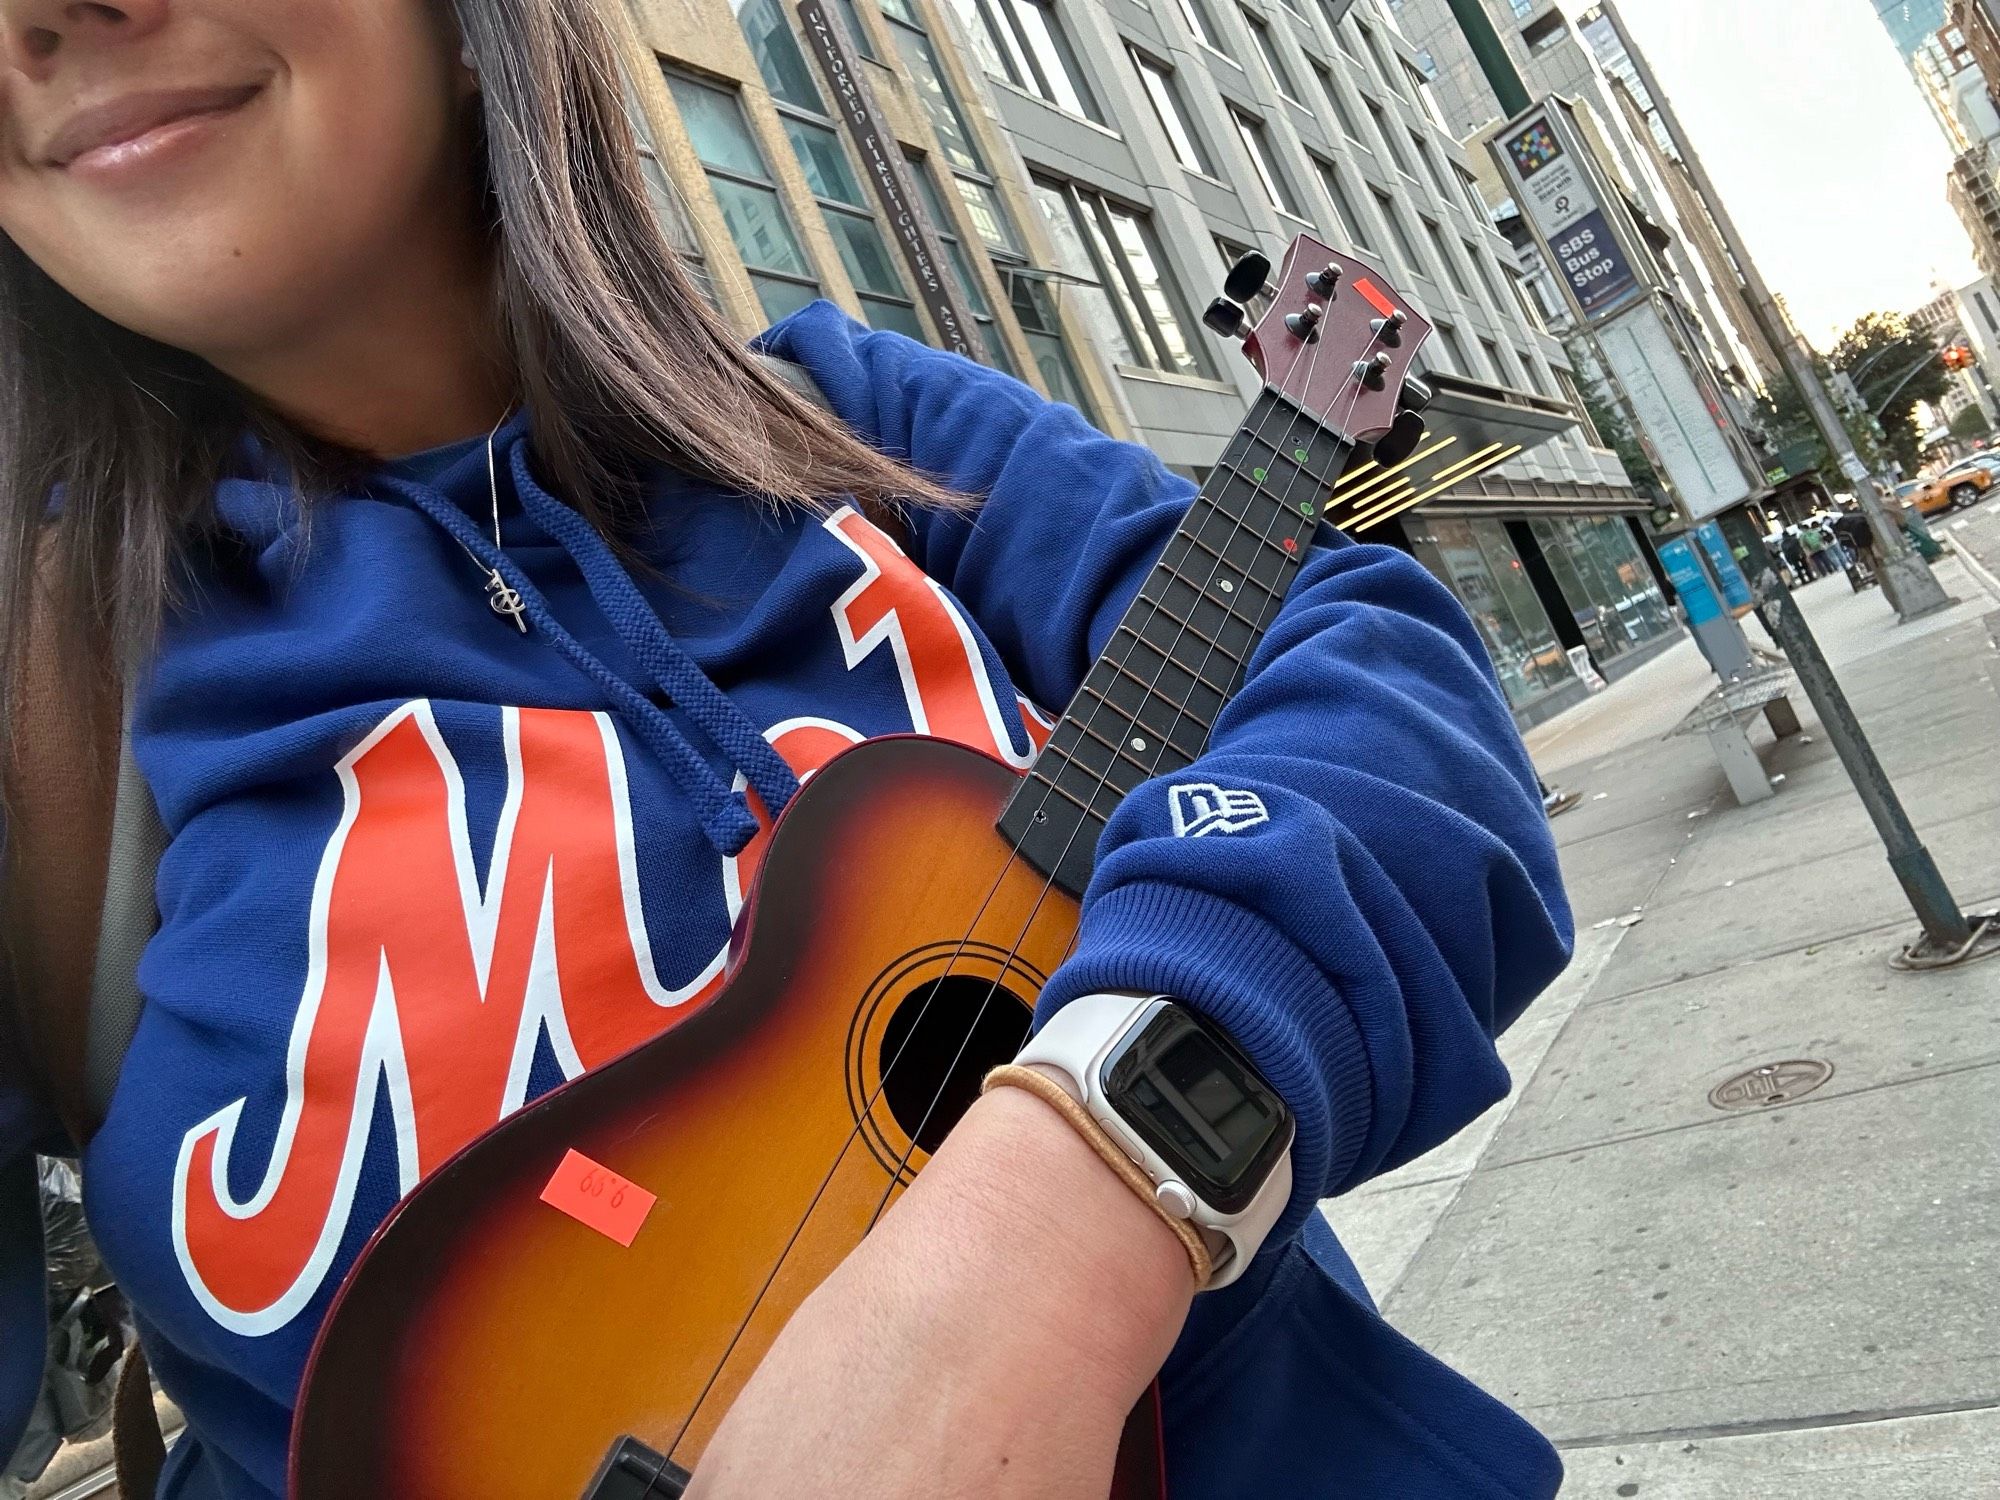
1773, 1083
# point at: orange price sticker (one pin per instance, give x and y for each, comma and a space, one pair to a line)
598, 1198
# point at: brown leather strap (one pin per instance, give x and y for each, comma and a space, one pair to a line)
61, 770
138, 1449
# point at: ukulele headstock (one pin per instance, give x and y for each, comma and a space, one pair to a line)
1332, 335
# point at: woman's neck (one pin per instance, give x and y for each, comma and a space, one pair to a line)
415, 361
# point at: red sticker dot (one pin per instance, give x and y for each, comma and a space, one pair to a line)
1291, 545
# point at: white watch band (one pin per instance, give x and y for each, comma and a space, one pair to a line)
1072, 1048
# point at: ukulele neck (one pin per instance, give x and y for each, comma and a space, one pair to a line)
1150, 700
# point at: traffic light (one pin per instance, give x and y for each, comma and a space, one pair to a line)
1958, 357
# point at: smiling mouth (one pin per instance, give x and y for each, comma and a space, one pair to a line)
106, 129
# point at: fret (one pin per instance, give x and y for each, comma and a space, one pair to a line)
1185, 730
1178, 654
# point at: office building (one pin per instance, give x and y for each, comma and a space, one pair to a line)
1092, 169
1909, 24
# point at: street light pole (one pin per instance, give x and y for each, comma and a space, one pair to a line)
1907, 578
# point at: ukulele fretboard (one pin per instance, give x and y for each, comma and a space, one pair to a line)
1151, 699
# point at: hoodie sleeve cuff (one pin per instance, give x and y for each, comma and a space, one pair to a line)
1241, 972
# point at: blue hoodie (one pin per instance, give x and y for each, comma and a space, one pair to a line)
424, 866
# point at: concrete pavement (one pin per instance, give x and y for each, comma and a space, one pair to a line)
1698, 1302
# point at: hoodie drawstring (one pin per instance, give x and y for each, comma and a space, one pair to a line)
639, 626
724, 814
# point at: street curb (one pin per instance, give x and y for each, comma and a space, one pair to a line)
1981, 574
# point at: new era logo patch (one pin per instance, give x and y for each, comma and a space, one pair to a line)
1201, 807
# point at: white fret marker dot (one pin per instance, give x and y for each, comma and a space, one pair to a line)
1228, 587
1138, 743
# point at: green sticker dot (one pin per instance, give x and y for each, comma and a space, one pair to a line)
1258, 475
1299, 454
1305, 507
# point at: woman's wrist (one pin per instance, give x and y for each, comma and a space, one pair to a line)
1051, 1256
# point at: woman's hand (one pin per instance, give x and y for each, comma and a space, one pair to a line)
988, 1339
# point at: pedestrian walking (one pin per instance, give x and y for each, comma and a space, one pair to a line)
1813, 539
1794, 556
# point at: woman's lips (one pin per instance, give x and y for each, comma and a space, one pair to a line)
136, 125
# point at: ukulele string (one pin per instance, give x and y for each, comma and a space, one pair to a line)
1266, 609
1282, 507
866, 1112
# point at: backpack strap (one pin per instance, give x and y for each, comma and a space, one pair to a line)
126, 922
61, 770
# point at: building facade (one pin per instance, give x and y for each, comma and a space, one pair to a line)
1089, 169
1909, 23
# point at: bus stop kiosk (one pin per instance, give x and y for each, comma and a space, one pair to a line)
1715, 593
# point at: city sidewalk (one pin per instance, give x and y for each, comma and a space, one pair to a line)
1699, 1302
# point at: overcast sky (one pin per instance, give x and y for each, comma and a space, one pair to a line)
1819, 142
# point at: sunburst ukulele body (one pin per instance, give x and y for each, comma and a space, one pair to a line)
913, 900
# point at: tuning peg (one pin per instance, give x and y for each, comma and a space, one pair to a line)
1325, 283
1401, 440
1224, 317
1389, 330
1372, 371
1248, 277
1304, 323
1415, 395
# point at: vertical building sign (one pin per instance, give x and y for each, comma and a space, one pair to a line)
1557, 191
888, 171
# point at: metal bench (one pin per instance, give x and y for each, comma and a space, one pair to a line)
1722, 715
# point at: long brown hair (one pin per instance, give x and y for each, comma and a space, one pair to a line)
618, 358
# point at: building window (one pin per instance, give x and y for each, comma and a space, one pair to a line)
1388, 134
1469, 184
1445, 258
1485, 268
1265, 164
668, 210
1158, 81
1140, 316
1575, 399
969, 174
1195, 13
1339, 105
946, 229
1605, 582
1023, 42
850, 218
1398, 233
1538, 381
1374, 49
1430, 165
1267, 46
1979, 298
747, 196
1422, 94
856, 32
1343, 206
1453, 351
1479, 564
1495, 362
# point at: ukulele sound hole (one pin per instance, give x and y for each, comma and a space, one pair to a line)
930, 1082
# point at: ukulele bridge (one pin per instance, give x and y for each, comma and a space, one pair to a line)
632, 1471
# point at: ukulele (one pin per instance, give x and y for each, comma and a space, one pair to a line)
913, 899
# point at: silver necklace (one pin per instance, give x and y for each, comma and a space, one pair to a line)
502, 597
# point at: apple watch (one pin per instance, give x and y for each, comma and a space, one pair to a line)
1178, 1097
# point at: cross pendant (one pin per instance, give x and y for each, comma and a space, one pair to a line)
505, 600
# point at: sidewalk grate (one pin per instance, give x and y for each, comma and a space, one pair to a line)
1773, 1083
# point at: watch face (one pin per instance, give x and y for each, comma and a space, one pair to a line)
1189, 1094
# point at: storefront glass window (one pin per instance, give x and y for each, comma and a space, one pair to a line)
1610, 589
1479, 565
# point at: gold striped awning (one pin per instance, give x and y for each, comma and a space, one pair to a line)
1469, 428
